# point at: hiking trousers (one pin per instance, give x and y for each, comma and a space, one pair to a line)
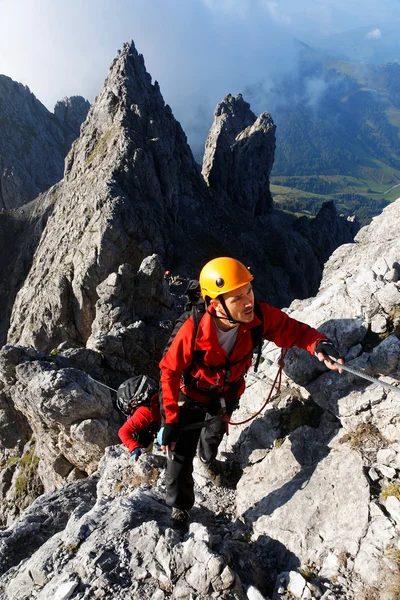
179, 476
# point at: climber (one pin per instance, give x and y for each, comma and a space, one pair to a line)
138, 397
203, 378
167, 276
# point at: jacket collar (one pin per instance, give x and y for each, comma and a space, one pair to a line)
207, 335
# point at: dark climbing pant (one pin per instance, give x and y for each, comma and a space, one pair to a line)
179, 477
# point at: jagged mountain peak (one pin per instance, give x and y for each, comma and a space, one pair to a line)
127, 177
19, 88
236, 107
236, 137
129, 107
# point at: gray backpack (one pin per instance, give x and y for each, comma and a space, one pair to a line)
135, 392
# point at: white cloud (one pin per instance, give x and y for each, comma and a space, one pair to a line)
276, 13
374, 34
315, 89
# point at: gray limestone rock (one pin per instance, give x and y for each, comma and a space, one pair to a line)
33, 144
301, 495
14, 428
239, 155
353, 292
127, 300
44, 518
71, 416
71, 113
123, 543
231, 117
325, 229
372, 559
20, 233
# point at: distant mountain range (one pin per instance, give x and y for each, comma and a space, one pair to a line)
337, 136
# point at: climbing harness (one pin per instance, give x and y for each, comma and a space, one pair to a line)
277, 382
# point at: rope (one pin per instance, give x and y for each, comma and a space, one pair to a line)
103, 384
278, 378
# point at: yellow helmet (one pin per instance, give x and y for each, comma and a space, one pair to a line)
222, 275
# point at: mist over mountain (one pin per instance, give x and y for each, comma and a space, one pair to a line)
337, 130
337, 135
376, 43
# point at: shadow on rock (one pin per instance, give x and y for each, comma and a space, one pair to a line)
297, 458
259, 563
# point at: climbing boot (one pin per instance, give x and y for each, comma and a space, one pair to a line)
214, 471
180, 518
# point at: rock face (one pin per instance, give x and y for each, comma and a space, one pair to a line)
358, 308
20, 233
324, 231
239, 155
33, 144
72, 421
315, 512
142, 557
71, 113
45, 517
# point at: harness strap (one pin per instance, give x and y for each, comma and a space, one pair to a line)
198, 355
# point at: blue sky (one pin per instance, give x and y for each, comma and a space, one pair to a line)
198, 50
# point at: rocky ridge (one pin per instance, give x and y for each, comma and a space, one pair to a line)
33, 142
325, 229
311, 509
131, 190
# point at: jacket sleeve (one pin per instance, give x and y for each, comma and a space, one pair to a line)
141, 419
286, 332
177, 358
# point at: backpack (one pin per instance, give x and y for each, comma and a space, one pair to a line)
196, 307
135, 392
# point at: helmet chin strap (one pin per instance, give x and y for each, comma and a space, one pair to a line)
228, 314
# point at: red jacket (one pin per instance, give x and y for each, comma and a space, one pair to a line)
278, 328
143, 418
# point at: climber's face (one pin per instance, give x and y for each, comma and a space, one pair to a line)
239, 302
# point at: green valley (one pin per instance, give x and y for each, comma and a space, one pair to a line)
338, 138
